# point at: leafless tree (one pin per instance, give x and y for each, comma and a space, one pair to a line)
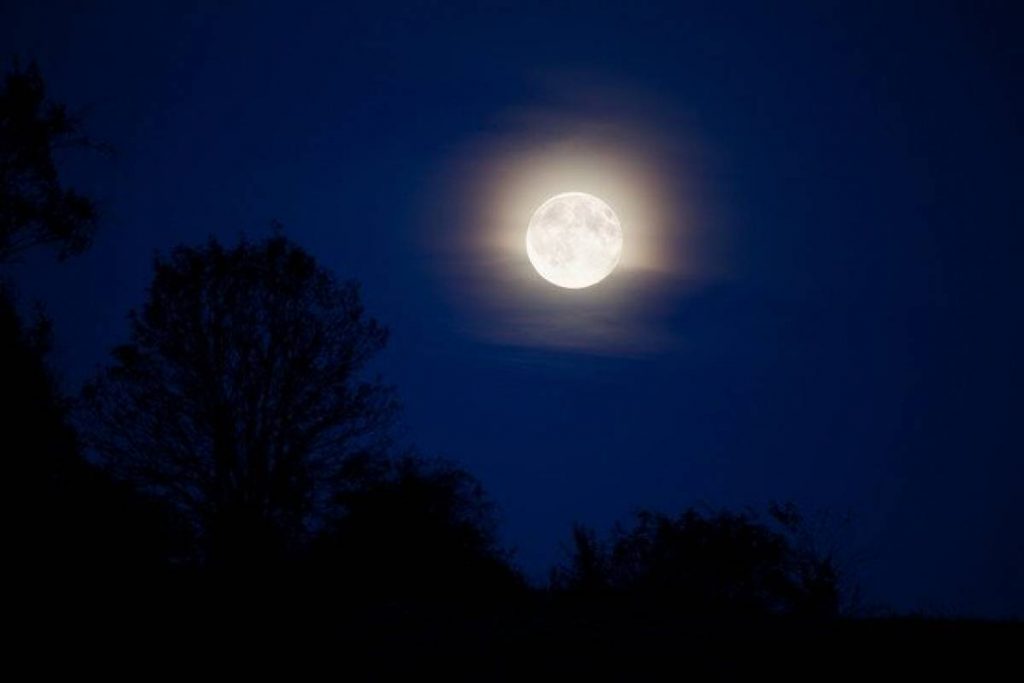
241, 396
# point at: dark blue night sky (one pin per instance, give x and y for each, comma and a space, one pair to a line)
860, 354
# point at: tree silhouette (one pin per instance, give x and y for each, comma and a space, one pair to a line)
587, 572
71, 520
35, 208
413, 527
723, 564
240, 396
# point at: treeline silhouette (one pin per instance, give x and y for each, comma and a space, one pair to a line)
233, 468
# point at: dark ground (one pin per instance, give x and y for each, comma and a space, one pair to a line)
169, 625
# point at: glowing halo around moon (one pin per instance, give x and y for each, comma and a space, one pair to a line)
613, 146
574, 240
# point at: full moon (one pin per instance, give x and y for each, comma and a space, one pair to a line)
574, 240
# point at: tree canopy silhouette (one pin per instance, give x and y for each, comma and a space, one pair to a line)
35, 208
723, 564
241, 396
415, 527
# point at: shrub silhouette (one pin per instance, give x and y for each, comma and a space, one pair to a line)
702, 564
